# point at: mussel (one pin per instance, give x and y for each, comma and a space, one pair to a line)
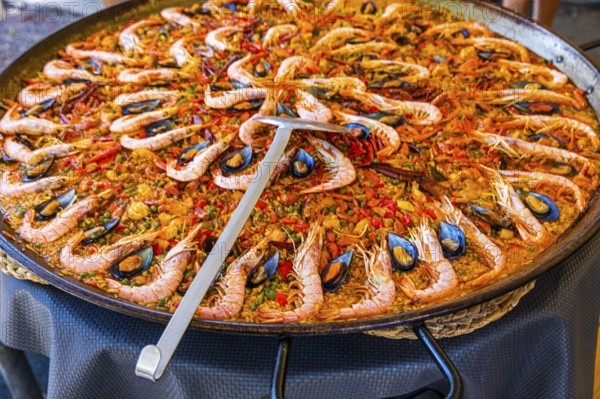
70, 81
91, 66
495, 55
49, 209
452, 239
38, 108
563, 169
237, 160
541, 206
359, 131
209, 243
540, 136
140, 107
537, 108
302, 164
205, 51
246, 106
465, 33
368, 7
159, 127
491, 217
404, 254
390, 82
230, 6
282, 109
262, 68
38, 171
94, 234
387, 118
263, 272
526, 84
400, 39
189, 153
439, 59
335, 272
319, 92
133, 264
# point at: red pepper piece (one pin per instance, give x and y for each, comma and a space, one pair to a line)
285, 269
281, 299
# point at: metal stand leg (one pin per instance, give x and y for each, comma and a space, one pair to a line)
15, 369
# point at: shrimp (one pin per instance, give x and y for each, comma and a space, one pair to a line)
517, 147
62, 70
14, 190
147, 76
511, 96
338, 37
133, 123
380, 284
291, 66
341, 172
529, 228
12, 123
251, 127
180, 53
129, 40
275, 33
395, 11
108, 57
444, 280
255, 7
227, 99
306, 269
414, 72
166, 96
63, 223
535, 178
217, 38
369, 48
492, 43
545, 123
422, 113
378, 129
24, 154
238, 71
291, 7
232, 286
170, 274
310, 108
39, 93
549, 77
198, 166
175, 15
161, 140
485, 247
451, 28
105, 256
333, 7
242, 181
333, 85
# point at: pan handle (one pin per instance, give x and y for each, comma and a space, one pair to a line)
590, 45
440, 357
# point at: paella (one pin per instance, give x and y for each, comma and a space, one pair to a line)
467, 156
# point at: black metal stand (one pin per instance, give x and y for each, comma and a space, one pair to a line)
19, 378
441, 359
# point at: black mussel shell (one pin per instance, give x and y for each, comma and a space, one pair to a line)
541, 206
368, 7
209, 243
491, 217
452, 239
222, 86
70, 81
166, 63
563, 169
525, 84
140, 107
205, 51
495, 56
230, 6
438, 59
365, 57
404, 254
133, 264
400, 39
537, 108
319, 92
334, 274
246, 106
197, 9
540, 136
92, 66
49, 209
189, 153
387, 118
262, 68
237, 160
302, 164
388, 83
238, 85
94, 234
38, 108
465, 33
359, 131
263, 272
159, 127
282, 109
38, 171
